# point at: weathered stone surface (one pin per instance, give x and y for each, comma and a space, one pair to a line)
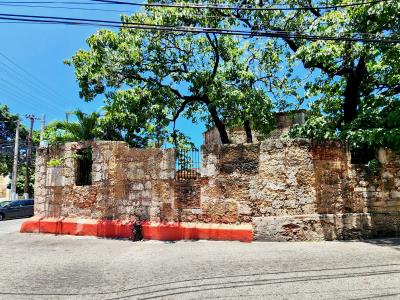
55, 176
188, 193
313, 227
219, 211
121, 181
288, 189
239, 158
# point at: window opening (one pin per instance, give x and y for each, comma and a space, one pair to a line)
362, 155
84, 167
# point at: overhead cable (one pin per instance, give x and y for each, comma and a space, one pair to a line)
195, 30
242, 8
202, 5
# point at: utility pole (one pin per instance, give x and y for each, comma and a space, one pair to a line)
15, 164
28, 156
42, 127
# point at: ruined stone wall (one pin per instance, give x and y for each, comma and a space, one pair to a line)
299, 190
126, 183
287, 189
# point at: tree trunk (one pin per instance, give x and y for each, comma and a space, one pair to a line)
247, 128
351, 99
219, 124
352, 91
217, 121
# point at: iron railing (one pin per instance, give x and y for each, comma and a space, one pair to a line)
187, 164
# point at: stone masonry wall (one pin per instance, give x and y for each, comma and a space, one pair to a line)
287, 189
126, 183
299, 190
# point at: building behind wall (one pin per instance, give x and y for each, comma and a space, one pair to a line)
283, 121
4, 191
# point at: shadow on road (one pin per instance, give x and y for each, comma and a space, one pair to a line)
195, 285
393, 243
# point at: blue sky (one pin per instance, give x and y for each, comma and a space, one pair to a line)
46, 85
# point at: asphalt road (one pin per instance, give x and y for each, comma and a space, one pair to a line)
34, 266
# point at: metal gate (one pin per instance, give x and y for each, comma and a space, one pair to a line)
187, 164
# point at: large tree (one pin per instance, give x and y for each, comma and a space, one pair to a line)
353, 87
151, 78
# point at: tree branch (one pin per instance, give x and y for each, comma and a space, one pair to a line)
214, 45
136, 76
187, 100
313, 10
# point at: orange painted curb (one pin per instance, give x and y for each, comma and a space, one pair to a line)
50, 225
151, 231
31, 225
114, 229
185, 231
86, 227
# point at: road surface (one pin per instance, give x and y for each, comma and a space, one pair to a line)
38, 266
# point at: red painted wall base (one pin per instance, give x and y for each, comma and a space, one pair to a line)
151, 231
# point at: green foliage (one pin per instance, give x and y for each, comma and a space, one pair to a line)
316, 127
150, 78
7, 125
21, 179
352, 88
86, 128
373, 167
180, 141
7, 139
55, 163
375, 126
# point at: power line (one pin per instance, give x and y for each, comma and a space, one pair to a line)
201, 5
198, 30
31, 76
65, 7
29, 97
45, 94
108, 10
20, 98
194, 30
243, 8
49, 2
16, 95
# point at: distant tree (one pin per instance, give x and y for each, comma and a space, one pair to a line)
7, 139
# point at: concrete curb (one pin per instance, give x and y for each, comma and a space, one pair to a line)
151, 231
197, 231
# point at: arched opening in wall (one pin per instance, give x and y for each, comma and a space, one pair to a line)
84, 163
